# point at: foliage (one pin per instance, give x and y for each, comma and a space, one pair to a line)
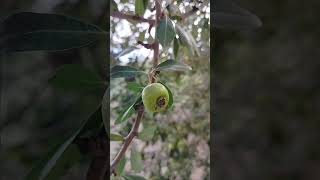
179, 51
181, 132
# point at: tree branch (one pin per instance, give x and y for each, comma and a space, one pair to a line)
128, 139
189, 13
152, 75
152, 79
147, 46
121, 15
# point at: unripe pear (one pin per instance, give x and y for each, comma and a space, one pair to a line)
155, 97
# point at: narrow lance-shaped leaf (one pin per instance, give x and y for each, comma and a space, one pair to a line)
187, 40
140, 7
105, 110
121, 165
176, 46
124, 71
27, 31
147, 132
127, 112
114, 6
134, 86
229, 15
116, 137
74, 77
128, 176
172, 65
165, 32
136, 160
44, 167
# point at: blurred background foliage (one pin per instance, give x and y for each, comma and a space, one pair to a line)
266, 95
35, 116
180, 147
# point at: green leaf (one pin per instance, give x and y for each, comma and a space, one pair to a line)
147, 133
132, 177
187, 40
68, 159
134, 86
74, 77
116, 137
94, 124
142, 36
124, 71
140, 7
44, 166
114, 6
105, 110
170, 95
127, 112
121, 165
176, 46
165, 32
27, 31
229, 15
136, 160
172, 65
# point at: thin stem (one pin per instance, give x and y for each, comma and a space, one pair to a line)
156, 43
121, 15
128, 139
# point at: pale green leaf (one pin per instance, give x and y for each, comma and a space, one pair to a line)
124, 71
134, 86
136, 160
165, 32
172, 65
116, 137
121, 165
147, 132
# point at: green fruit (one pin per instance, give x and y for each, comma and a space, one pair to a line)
155, 97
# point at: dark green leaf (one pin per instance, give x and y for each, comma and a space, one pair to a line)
116, 137
74, 77
176, 46
94, 124
121, 165
172, 65
165, 32
114, 6
147, 133
142, 36
105, 110
68, 159
134, 86
132, 177
127, 112
140, 7
124, 71
170, 95
27, 31
229, 15
136, 160
187, 40
44, 167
